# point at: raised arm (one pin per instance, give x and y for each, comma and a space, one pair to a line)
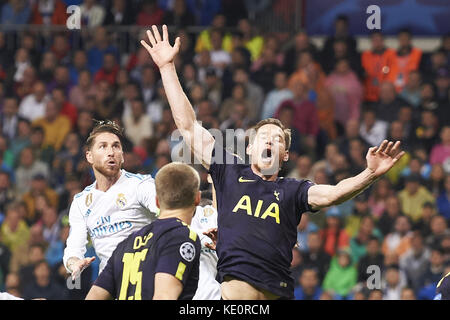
198, 138
379, 161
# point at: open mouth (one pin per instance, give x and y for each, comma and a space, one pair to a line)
266, 155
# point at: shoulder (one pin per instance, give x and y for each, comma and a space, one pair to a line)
85, 191
137, 178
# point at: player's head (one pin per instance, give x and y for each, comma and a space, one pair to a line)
104, 148
269, 145
177, 187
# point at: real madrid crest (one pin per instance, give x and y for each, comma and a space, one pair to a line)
121, 201
88, 200
207, 211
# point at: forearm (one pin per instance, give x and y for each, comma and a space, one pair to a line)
351, 187
182, 111
320, 196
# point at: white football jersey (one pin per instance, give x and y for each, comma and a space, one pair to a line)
208, 288
110, 217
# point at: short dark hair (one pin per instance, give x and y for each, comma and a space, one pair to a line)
286, 131
104, 126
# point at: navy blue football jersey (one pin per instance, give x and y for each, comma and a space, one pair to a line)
443, 288
167, 246
257, 224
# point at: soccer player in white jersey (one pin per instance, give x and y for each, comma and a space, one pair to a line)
205, 219
114, 206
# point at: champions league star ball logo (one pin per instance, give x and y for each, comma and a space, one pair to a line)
187, 251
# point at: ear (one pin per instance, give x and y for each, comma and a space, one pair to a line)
89, 157
157, 202
249, 149
286, 156
198, 198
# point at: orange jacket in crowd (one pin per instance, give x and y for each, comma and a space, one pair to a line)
378, 68
404, 65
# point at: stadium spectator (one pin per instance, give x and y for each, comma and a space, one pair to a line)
55, 125
43, 286
35, 253
438, 226
7, 193
92, 14
29, 167
276, 96
49, 12
15, 12
378, 63
411, 92
423, 225
372, 129
398, 241
407, 294
149, 14
358, 243
315, 257
407, 59
39, 189
119, 14
239, 96
347, 92
413, 197
101, 45
305, 118
393, 283
435, 267
342, 275
109, 69
415, 261
138, 126
179, 15
14, 232
334, 236
309, 288
84, 88
373, 257
443, 201
302, 43
77, 64
9, 117
359, 209
440, 153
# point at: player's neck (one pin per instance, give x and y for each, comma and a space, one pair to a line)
262, 176
105, 182
184, 215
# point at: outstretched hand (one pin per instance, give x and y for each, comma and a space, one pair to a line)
381, 159
159, 49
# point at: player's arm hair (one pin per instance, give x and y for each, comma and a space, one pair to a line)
167, 287
322, 195
200, 141
98, 293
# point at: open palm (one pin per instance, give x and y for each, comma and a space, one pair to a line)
159, 49
381, 159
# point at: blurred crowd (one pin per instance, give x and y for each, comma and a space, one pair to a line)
391, 242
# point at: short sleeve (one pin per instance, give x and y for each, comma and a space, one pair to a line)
106, 278
147, 193
179, 254
302, 196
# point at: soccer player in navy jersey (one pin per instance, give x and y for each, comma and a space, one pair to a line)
161, 260
258, 212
